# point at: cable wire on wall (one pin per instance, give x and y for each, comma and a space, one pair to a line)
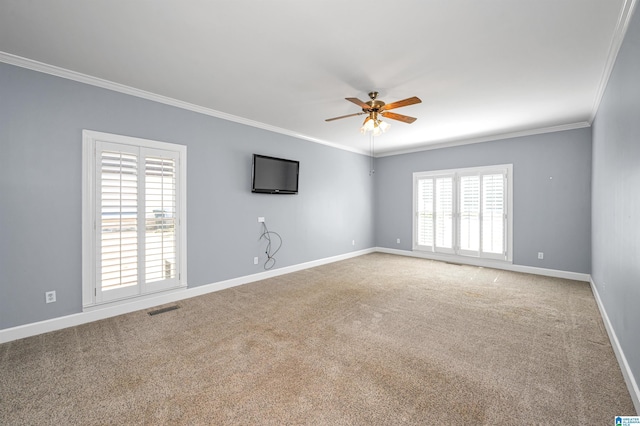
266, 234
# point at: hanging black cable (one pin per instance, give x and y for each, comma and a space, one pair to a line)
271, 260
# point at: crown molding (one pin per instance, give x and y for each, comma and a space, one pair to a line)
621, 28
121, 88
458, 142
614, 48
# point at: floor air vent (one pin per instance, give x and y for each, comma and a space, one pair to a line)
163, 310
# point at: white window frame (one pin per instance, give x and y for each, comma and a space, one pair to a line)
456, 174
90, 212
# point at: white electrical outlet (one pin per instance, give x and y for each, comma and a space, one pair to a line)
398, 241
261, 219
50, 296
255, 260
353, 242
540, 255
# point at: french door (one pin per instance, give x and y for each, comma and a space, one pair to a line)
136, 226
136, 213
463, 212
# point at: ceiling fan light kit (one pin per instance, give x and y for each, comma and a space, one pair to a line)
375, 109
374, 125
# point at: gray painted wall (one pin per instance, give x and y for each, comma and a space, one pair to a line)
550, 215
41, 119
41, 122
616, 197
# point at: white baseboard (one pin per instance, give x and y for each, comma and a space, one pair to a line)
489, 263
107, 311
630, 380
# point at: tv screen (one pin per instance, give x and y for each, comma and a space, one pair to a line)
274, 175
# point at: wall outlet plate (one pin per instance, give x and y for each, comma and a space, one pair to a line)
50, 296
540, 255
260, 219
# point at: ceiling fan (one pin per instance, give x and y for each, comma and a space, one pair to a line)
375, 107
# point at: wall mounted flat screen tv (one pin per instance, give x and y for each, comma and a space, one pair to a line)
272, 175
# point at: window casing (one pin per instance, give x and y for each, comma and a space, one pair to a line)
134, 217
465, 212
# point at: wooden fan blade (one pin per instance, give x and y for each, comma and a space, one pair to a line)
359, 103
399, 117
344, 116
402, 103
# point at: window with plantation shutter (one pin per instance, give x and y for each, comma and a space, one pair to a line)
469, 229
160, 218
134, 238
425, 209
493, 213
444, 213
118, 231
464, 212
435, 213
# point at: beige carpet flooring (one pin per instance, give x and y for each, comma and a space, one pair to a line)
374, 340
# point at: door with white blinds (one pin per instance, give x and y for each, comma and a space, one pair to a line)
425, 212
137, 210
117, 227
483, 218
434, 226
494, 215
463, 212
160, 219
469, 229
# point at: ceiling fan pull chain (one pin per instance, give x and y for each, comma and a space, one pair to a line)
371, 169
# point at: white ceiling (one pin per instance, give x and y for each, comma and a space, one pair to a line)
483, 69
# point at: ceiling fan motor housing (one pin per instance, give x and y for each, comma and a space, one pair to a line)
374, 104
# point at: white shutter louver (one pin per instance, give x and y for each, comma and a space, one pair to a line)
425, 212
470, 213
160, 218
444, 212
118, 219
493, 213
